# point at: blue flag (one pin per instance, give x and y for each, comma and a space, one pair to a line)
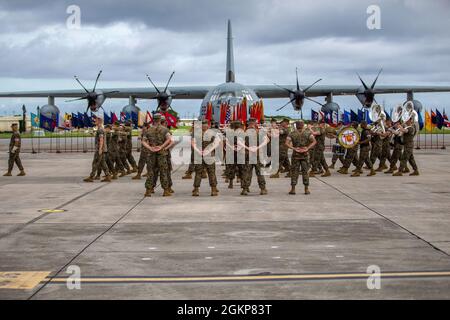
439, 119
367, 117
347, 118
87, 121
80, 120
360, 115
421, 123
353, 116
34, 120
74, 121
106, 119
46, 123
134, 118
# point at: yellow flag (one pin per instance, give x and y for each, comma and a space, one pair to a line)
428, 124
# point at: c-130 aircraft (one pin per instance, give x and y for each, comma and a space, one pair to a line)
231, 92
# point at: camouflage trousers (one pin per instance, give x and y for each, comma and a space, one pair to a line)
14, 158
335, 158
157, 164
364, 157
351, 156
130, 158
210, 170
408, 156
233, 171
191, 167
375, 152
396, 154
109, 163
319, 159
142, 160
299, 166
284, 160
123, 160
385, 153
156, 172
247, 174
99, 163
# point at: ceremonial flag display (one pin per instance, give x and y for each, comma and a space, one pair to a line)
428, 124
114, 117
46, 123
34, 120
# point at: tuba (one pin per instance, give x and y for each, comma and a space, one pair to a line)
378, 116
397, 113
408, 113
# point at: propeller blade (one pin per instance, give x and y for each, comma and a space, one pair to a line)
296, 75
375, 81
170, 78
157, 90
82, 98
290, 101
96, 80
363, 83
76, 78
290, 91
312, 100
311, 86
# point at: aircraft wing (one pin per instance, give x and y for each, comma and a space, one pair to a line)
184, 92
271, 91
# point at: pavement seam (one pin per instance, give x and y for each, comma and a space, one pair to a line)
50, 279
384, 217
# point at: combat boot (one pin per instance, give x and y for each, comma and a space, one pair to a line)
88, 179
311, 174
307, 190
371, 173
394, 167
343, 170
263, 191
114, 176
136, 177
134, 170
292, 190
97, 177
188, 175
148, 192
230, 184
275, 175
391, 170
332, 166
106, 179
406, 170
355, 174
122, 174
171, 190
244, 192
195, 192
414, 173
166, 193
145, 175
326, 174
8, 174
398, 174
384, 167
152, 190
379, 169
128, 171
21, 173
214, 191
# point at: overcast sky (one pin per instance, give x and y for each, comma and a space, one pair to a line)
127, 39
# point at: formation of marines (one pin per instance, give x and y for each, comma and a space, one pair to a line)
113, 153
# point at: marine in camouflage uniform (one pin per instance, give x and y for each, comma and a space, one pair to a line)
319, 151
351, 155
335, 156
396, 152
122, 140
169, 159
209, 143
364, 151
191, 167
284, 164
408, 151
233, 170
99, 161
386, 148
300, 141
377, 146
156, 139
109, 158
248, 167
114, 150
129, 146
14, 152
143, 154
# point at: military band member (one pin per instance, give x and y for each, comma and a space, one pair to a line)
123, 149
397, 148
109, 156
209, 143
300, 141
319, 151
99, 161
284, 164
248, 167
129, 146
156, 139
408, 152
386, 147
115, 150
376, 145
364, 151
143, 155
14, 152
336, 156
351, 155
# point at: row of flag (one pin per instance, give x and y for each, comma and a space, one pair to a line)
238, 112
79, 120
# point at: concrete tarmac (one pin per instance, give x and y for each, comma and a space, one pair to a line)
227, 247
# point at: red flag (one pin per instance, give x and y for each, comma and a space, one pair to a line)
113, 117
148, 117
244, 110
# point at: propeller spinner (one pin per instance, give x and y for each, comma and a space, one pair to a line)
95, 98
298, 96
367, 96
164, 97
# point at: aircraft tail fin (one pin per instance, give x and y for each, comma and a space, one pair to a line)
230, 56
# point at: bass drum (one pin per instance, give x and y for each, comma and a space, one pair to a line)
348, 137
